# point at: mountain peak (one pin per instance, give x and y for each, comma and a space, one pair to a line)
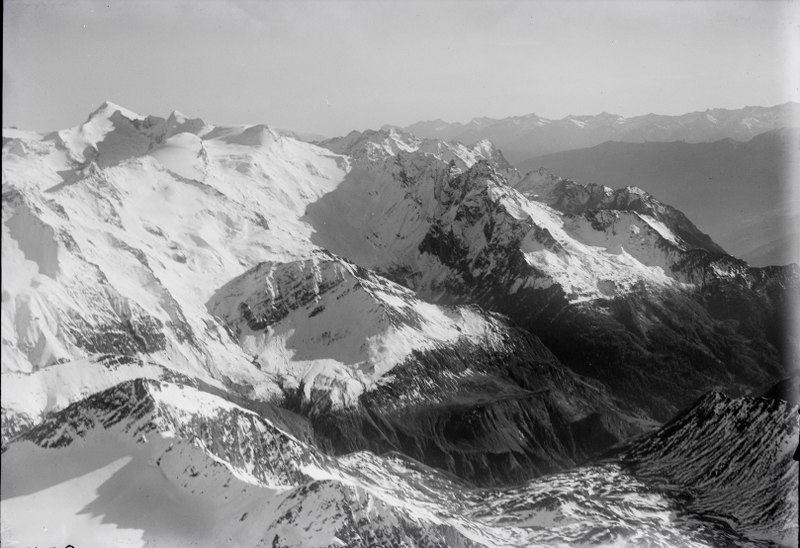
107, 109
178, 116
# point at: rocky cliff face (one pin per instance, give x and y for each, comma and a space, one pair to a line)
734, 458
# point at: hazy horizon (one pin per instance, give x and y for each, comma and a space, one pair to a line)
464, 121
332, 67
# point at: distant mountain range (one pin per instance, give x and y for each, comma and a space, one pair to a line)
524, 137
736, 192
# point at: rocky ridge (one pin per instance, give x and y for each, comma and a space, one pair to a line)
269, 487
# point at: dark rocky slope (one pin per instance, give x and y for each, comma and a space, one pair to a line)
492, 410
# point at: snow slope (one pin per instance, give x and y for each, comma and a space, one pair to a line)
335, 328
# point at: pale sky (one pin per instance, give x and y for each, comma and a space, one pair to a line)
333, 66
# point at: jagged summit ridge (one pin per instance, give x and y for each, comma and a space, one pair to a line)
573, 198
401, 200
372, 146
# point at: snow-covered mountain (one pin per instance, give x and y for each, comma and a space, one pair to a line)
740, 193
622, 288
193, 255
341, 327
524, 137
117, 232
191, 310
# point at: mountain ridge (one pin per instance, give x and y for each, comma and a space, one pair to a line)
740, 193
191, 447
